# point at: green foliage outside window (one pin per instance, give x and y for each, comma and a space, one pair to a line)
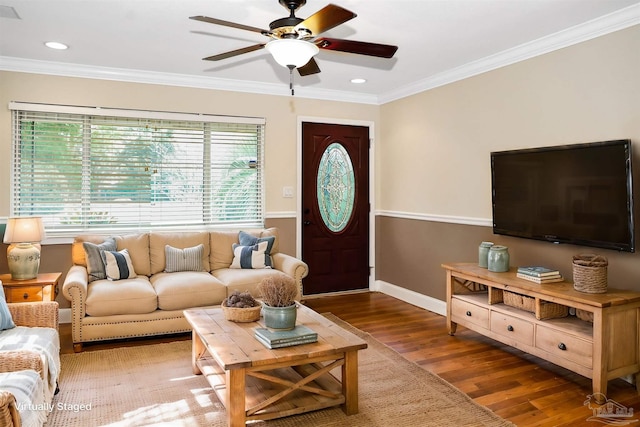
82, 172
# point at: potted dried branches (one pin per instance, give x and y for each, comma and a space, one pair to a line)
278, 294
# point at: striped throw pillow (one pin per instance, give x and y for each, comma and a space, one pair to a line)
249, 256
187, 259
118, 265
247, 239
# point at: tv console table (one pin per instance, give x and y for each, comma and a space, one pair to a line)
606, 348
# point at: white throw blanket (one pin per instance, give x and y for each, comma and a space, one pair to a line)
40, 340
29, 390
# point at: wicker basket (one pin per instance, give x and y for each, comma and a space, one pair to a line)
548, 310
590, 273
587, 316
242, 315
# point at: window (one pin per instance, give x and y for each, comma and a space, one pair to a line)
93, 170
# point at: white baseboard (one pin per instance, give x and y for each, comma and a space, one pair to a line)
64, 315
406, 295
411, 297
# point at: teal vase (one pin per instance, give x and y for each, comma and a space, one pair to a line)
483, 254
280, 318
498, 259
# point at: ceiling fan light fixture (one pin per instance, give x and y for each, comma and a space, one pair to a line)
292, 52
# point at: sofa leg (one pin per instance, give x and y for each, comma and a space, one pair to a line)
77, 347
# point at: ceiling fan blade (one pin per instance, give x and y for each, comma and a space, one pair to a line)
361, 48
228, 24
309, 68
326, 18
232, 53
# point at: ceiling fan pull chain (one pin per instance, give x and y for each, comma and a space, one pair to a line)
291, 67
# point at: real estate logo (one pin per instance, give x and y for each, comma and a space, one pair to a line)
609, 412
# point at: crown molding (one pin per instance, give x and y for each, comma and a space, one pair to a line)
22, 65
619, 20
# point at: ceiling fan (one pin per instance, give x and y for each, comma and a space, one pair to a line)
294, 41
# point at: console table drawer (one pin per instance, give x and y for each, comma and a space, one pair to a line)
517, 329
564, 345
468, 312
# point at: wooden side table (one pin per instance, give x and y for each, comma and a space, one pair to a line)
42, 288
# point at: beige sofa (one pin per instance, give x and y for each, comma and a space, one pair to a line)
152, 302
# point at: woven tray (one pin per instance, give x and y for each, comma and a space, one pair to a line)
548, 310
590, 273
242, 315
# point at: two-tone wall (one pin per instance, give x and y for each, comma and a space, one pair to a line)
432, 171
434, 179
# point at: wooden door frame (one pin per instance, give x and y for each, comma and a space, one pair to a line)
372, 184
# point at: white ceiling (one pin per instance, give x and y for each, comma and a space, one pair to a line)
439, 41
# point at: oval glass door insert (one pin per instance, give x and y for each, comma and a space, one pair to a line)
335, 187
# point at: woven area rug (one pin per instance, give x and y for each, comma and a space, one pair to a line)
152, 385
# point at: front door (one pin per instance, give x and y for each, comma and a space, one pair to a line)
335, 207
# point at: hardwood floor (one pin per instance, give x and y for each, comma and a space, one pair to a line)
521, 388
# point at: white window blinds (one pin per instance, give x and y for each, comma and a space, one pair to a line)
85, 169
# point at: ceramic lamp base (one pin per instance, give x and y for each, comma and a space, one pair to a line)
23, 260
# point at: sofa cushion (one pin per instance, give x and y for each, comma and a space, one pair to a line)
250, 256
221, 248
78, 256
187, 259
93, 257
138, 247
247, 239
128, 296
118, 265
243, 280
6, 321
159, 240
185, 289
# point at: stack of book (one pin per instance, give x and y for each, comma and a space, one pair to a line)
539, 274
278, 339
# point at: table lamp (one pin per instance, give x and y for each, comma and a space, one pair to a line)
24, 235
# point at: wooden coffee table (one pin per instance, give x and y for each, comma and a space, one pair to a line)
256, 383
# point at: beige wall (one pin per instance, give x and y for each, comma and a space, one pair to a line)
281, 114
435, 148
435, 145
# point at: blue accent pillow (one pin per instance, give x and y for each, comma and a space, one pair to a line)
249, 256
247, 239
93, 254
6, 321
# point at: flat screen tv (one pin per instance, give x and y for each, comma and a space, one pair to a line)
580, 194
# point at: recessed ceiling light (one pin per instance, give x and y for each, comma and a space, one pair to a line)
56, 45
358, 81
